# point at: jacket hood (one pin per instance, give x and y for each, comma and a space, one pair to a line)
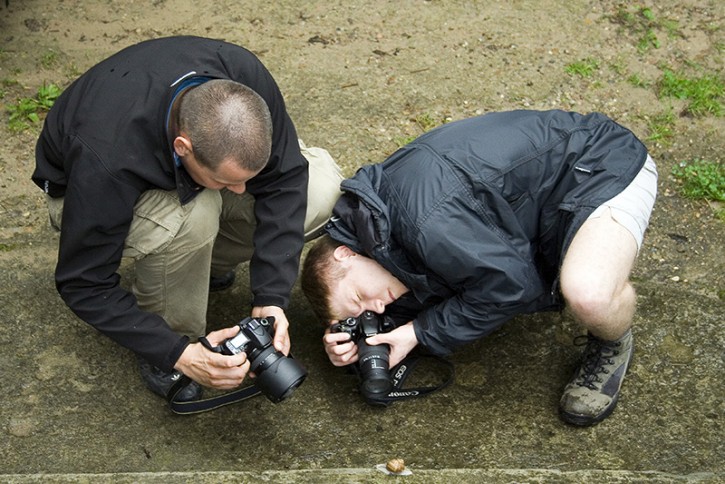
360, 219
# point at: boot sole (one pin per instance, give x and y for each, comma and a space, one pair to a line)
585, 420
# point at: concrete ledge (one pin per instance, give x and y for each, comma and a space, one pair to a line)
492, 476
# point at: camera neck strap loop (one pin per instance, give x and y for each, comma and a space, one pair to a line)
402, 371
199, 406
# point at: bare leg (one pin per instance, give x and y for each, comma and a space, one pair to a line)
595, 277
595, 284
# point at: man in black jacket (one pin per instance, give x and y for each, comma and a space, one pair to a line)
179, 154
486, 218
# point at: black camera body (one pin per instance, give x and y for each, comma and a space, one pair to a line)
277, 375
373, 361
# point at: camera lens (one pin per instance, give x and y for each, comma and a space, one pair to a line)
277, 375
374, 365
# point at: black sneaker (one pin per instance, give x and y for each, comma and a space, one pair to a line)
160, 382
222, 282
592, 394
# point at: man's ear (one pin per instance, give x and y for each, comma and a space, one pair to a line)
182, 145
343, 252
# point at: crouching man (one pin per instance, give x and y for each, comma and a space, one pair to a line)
483, 219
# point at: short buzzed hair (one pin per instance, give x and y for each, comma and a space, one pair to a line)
319, 272
225, 119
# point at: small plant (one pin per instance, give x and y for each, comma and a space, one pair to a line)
661, 127
720, 47
619, 66
704, 94
425, 122
582, 68
701, 179
643, 23
27, 110
7, 247
648, 40
49, 59
637, 81
401, 141
6, 83
671, 26
47, 94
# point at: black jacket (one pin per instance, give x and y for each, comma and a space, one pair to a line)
104, 143
475, 216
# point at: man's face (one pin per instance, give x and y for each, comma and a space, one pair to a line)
366, 286
228, 174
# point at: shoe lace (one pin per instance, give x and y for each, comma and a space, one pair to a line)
597, 356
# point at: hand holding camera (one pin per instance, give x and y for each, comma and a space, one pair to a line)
373, 360
213, 370
277, 375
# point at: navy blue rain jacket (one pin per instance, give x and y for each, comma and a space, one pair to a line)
475, 216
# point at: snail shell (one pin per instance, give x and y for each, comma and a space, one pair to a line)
395, 465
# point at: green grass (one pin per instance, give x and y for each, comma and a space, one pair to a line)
648, 40
703, 94
425, 122
701, 179
401, 141
583, 68
644, 25
661, 127
637, 81
49, 59
26, 111
4, 83
720, 47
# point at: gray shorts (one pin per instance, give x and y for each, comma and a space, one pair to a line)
633, 206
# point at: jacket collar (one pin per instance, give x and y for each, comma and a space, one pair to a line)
360, 218
186, 187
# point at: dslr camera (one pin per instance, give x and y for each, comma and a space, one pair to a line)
277, 375
373, 361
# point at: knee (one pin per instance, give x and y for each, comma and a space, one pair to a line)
324, 187
595, 300
201, 221
321, 198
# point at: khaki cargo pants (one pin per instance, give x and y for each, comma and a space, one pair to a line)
176, 248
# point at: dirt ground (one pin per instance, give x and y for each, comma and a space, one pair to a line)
359, 76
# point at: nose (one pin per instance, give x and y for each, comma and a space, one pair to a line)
372, 305
238, 189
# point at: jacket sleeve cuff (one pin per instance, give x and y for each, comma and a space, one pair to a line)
428, 343
270, 300
173, 356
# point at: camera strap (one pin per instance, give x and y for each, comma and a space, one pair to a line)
204, 405
198, 406
402, 371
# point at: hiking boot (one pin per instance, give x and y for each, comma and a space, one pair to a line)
222, 282
592, 394
160, 382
